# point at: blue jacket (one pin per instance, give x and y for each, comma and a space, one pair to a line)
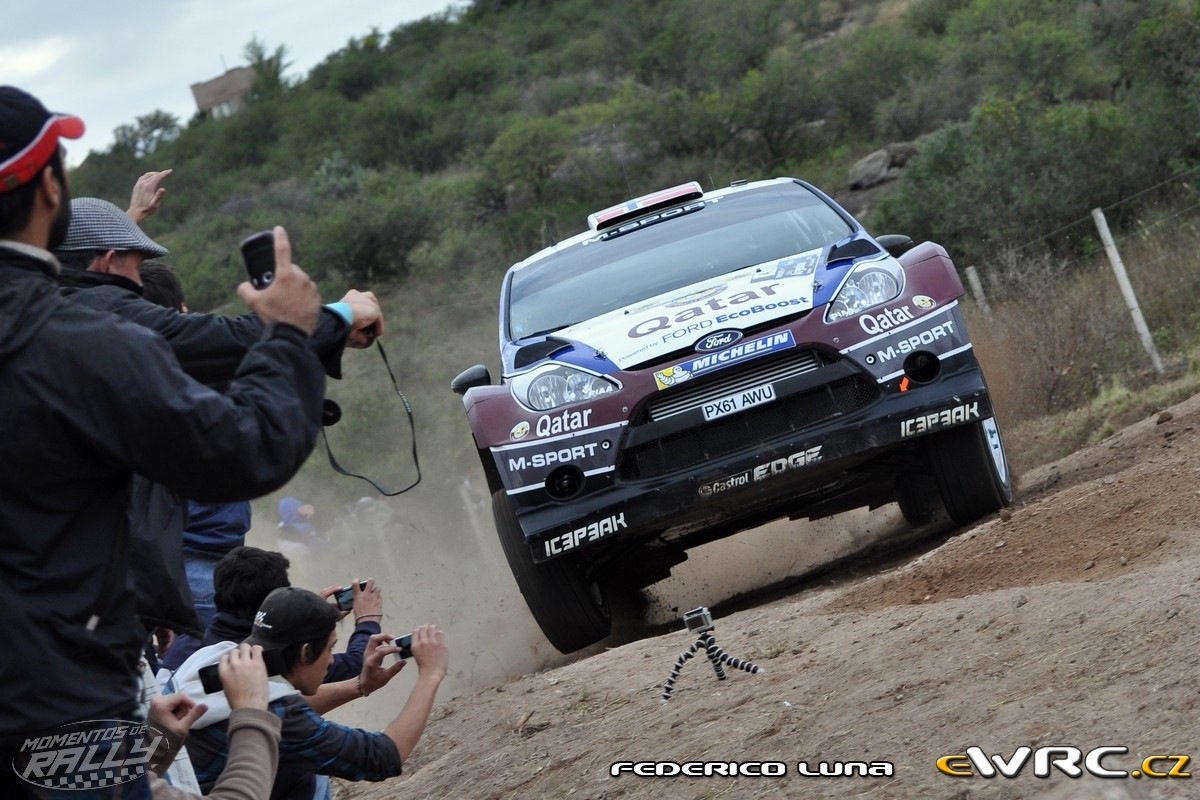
215, 529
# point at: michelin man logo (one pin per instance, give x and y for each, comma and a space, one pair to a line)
671, 376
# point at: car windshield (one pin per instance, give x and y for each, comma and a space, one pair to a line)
739, 230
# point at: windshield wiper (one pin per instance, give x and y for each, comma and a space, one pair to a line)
549, 331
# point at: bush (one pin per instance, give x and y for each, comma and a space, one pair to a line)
367, 238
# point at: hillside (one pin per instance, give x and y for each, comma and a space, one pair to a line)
1069, 621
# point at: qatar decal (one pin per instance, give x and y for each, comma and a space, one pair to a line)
648, 329
737, 354
942, 334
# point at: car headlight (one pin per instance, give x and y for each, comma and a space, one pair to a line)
557, 385
868, 285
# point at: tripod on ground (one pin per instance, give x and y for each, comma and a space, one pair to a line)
699, 621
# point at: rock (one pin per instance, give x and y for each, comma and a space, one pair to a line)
881, 166
870, 171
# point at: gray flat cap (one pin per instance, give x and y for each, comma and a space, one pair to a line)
99, 225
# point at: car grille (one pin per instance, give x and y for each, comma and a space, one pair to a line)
698, 392
724, 436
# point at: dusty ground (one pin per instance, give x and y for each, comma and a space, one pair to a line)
1070, 621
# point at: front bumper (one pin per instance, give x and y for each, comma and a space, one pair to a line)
768, 476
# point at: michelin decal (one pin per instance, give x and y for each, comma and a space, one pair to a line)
711, 362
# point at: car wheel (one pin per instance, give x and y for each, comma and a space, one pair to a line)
918, 497
568, 606
972, 470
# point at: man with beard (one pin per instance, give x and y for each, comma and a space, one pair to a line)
86, 400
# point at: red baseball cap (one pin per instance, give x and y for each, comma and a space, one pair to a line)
29, 136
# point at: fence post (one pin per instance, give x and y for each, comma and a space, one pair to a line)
977, 290
1114, 258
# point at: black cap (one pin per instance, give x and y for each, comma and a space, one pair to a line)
29, 136
290, 615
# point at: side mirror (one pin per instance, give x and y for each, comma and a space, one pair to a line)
896, 243
471, 377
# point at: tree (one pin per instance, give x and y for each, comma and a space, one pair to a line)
528, 152
269, 82
146, 134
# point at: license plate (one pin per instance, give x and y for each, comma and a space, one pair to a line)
734, 403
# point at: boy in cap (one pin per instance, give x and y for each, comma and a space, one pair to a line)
301, 626
86, 400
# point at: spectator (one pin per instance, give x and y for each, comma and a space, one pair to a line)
161, 285
253, 730
102, 255
296, 536
300, 624
210, 530
213, 530
87, 400
243, 579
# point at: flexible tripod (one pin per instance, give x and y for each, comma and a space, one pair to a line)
699, 620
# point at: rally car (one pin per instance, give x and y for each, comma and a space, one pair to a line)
698, 363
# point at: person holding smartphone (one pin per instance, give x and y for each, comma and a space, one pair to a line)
88, 400
302, 625
253, 730
242, 580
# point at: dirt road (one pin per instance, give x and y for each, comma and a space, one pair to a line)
1071, 621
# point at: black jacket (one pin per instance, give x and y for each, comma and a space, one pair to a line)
86, 400
209, 346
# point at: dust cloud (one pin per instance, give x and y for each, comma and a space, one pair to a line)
434, 552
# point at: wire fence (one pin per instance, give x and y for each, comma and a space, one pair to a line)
1059, 331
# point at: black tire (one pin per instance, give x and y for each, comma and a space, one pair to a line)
568, 607
918, 496
972, 470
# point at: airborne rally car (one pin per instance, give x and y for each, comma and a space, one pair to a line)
698, 363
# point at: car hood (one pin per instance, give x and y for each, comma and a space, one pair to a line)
650, 329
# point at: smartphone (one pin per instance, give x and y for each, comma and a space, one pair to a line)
258, 254
210, 676
405, 644
345, 597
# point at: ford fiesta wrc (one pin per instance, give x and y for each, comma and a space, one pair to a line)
698, 363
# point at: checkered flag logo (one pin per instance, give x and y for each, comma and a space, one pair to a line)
89, 755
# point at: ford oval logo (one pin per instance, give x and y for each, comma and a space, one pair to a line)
717, 341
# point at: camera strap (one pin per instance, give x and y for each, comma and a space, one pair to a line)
333, 414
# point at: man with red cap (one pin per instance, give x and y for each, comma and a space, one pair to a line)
86, 400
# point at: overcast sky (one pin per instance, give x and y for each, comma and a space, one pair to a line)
110, 62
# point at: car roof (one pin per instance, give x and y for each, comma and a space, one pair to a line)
737, 187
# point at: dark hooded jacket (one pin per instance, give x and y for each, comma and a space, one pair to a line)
86, 400
209, 347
